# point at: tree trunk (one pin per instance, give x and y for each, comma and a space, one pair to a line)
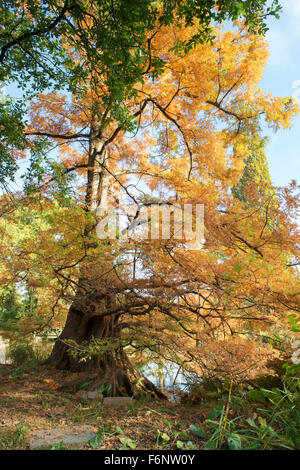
86, 319
112, 372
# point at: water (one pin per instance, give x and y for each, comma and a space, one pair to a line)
3, 351
169, 378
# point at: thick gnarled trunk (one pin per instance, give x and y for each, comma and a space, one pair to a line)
86, 319
113, 372
81, 327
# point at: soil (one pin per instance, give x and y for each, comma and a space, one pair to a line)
37, 399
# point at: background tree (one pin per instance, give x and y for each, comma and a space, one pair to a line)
256, 175
10, 306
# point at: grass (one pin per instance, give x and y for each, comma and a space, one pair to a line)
13, 438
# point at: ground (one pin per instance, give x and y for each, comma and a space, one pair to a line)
32, 399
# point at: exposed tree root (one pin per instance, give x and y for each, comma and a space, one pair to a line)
112, 373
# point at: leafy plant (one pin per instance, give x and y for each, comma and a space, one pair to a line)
119, 430
197, 431
162, 437
127, 443
274, 425
21, 354
95, 441
185, 445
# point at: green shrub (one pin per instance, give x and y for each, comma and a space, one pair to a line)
21, 354
260, 419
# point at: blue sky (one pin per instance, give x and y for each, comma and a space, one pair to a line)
282, 78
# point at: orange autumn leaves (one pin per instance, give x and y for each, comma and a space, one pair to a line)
200, 114
194, 126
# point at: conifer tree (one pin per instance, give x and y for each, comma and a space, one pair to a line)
256, 175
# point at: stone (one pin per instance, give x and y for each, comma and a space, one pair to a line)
90, 395
118, 401
71, 436
94, 395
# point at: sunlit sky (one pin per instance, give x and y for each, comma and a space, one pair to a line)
282, 78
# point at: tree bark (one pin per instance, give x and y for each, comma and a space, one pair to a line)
112, 372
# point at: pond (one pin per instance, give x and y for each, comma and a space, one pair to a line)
169, 377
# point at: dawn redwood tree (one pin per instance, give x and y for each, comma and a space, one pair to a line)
108, 53
185, 302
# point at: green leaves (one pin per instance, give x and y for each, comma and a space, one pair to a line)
215, 413
277, 426
294, 322
163, 436
257, 396
95, 441
234, 441
211, 445
119, 430
185, 445
127, 443
197, 431
11, 136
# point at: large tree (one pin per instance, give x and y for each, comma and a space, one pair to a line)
191, 130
